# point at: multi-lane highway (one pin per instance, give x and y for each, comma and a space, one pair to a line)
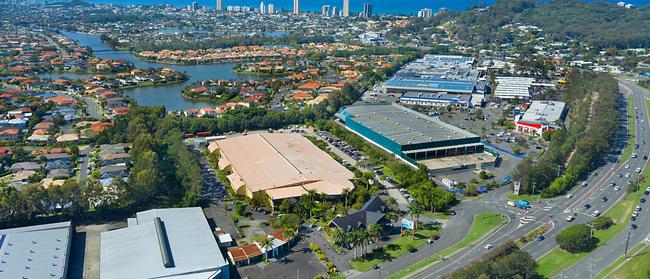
555, 211
610, 252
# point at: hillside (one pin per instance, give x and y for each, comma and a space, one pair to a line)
601, 24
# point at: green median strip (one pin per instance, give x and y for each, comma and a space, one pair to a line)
483, 224
627, 152
556, 261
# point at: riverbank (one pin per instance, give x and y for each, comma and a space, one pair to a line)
151, 84
261, 74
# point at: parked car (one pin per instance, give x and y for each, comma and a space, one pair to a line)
570, 218
596, 213
487, 246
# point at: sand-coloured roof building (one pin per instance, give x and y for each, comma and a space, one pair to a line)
282, 165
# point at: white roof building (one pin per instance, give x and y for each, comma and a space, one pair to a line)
36, 251
513, 87
163, 243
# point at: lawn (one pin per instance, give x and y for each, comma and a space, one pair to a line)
436, 215
556, 261
395, 249
636, 266
627, 152
482, 225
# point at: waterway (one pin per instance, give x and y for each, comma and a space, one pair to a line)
166, 95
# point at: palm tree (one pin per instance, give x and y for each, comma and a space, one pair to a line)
337, 236
375, 230
266, 243
364, 240
346, 193
289, 233
354, 240
415, 209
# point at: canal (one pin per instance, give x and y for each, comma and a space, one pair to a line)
166, 95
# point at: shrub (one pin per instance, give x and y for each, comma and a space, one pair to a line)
602, 222
576, 239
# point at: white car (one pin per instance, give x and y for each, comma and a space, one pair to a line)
487, 246
617, 188
569, 196
596, 213
638, 208
627, 174
635, 214
638, 170
627, 166
570, 218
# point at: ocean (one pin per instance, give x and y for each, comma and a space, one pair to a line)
406, 7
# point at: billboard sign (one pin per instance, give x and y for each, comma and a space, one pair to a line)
516, 187
407, 224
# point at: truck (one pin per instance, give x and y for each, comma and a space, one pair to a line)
523, 204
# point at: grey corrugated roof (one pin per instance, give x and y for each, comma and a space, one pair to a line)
134, 252
35, 252
405, 126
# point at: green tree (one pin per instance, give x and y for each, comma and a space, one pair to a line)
602, 222
576, 238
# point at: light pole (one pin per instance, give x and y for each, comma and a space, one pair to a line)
627, 241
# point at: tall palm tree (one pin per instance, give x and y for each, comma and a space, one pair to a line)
346, 193
364, 240
266, 243
415, 210
375, 230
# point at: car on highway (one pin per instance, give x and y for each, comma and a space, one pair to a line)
603, 199
487, 246
583, 184
540, 238
596, 213
569, 196
570, 218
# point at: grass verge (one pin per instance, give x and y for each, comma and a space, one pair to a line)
556, 261
396, 248
636, 266
482, 225
529, 198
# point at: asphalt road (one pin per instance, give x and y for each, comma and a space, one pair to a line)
607, 254
556, 210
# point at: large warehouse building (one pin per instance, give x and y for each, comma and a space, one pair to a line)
281, 165
408, 134
170, 243
40, 251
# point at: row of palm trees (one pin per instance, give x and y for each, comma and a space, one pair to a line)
361, 237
